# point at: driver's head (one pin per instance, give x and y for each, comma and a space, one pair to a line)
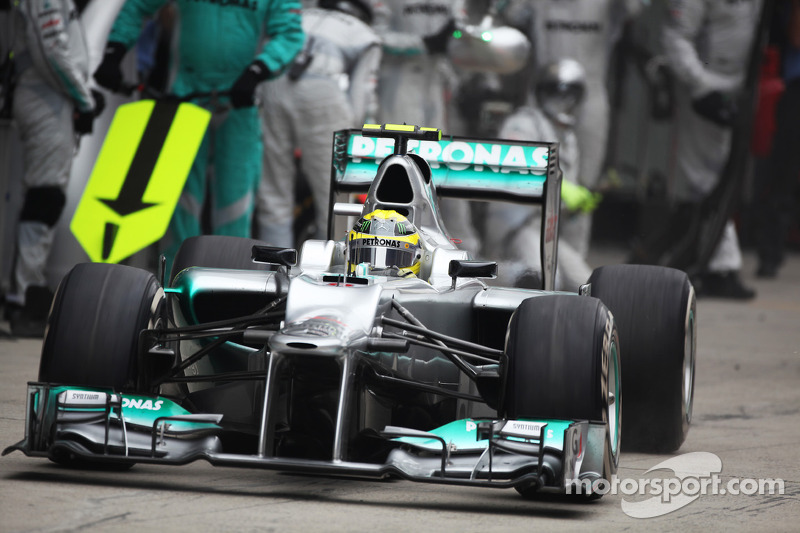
560, 87
385, 239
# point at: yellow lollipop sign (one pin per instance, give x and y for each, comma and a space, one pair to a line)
138, 177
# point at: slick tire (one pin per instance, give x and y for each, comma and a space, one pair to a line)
216, 251
562, 362
654, 308
92, 334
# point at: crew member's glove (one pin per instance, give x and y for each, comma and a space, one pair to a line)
579, 198
244, 88
109, 74
720, 108
437, 43
82, 121
99, 102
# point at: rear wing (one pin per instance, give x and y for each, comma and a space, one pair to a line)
461, 167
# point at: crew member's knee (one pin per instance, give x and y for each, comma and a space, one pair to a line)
43, 204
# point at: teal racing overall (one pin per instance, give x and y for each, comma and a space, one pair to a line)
215, 41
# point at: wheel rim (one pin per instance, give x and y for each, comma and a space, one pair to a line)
614, 400
688, 362
155, 320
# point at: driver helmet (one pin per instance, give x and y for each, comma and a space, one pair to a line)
386, 241
560, 87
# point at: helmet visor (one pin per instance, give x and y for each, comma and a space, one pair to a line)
383, 252
560, 101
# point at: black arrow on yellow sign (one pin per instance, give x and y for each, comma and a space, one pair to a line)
130, 197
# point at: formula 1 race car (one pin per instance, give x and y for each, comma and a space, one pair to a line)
381, 354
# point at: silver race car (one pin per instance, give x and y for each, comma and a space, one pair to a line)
380, 352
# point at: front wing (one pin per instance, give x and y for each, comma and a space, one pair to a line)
103, 426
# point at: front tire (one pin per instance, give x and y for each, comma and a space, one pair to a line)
655, 311
563, 363
92, 334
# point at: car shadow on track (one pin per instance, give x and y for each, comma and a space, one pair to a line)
341, 491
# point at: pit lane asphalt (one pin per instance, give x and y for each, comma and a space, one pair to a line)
747, 412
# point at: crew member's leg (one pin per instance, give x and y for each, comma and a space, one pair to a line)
275, 217
44, 118
237, 162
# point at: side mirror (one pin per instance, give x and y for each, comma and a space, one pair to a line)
460, 268
277, 256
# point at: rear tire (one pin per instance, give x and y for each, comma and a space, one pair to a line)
654, 308
217, 251
92, 334
558, 345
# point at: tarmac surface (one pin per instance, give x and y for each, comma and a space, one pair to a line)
746, 413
